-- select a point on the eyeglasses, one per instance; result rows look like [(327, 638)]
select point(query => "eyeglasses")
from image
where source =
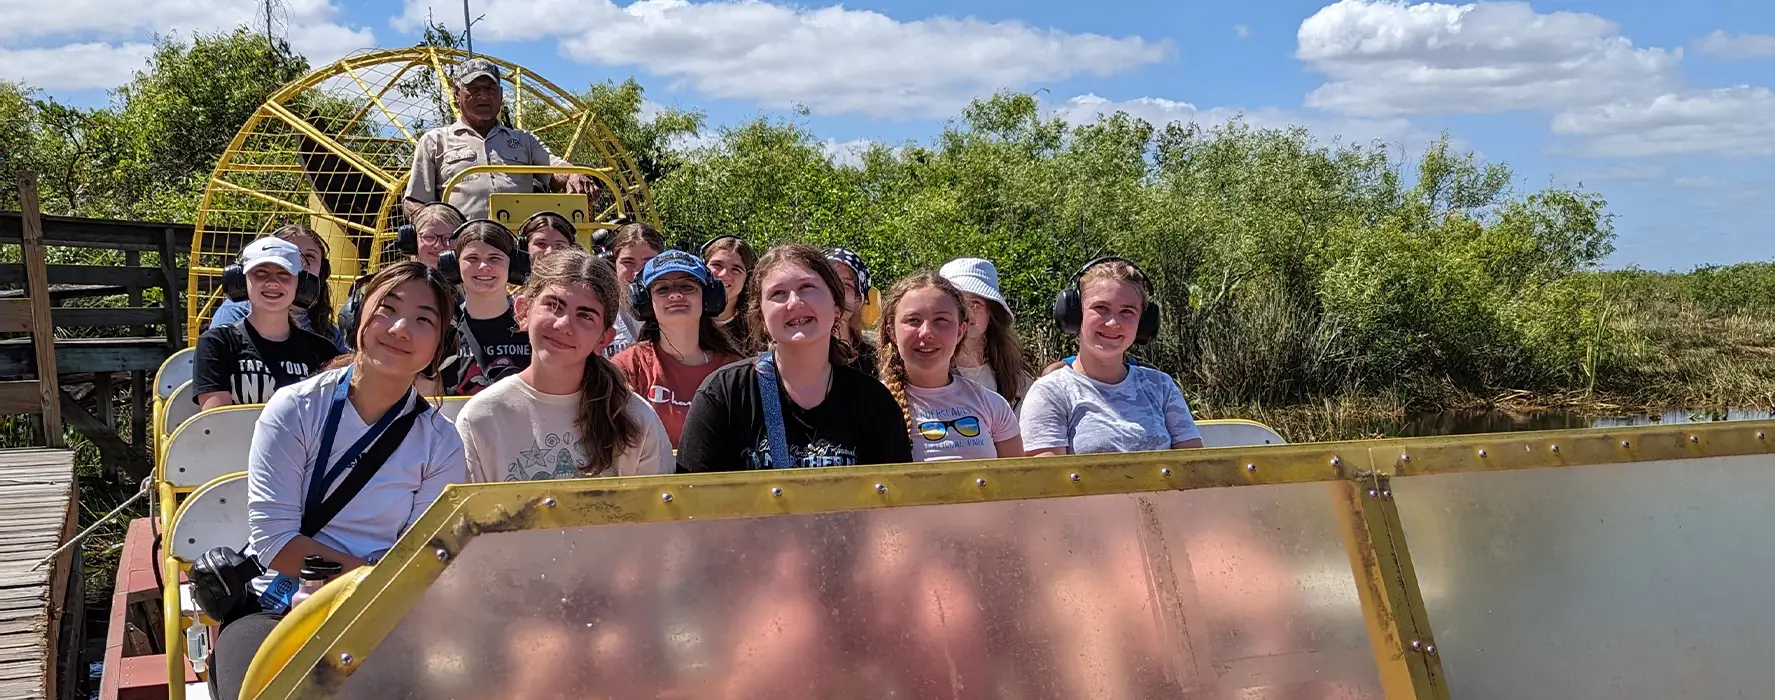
[(665, 289), (938, 429), (436, 240)]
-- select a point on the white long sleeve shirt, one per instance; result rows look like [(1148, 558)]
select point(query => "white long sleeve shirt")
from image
[(281, 463)]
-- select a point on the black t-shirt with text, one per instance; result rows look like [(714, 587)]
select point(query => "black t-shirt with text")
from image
[(858, 423), (236, 359), (503, 351)]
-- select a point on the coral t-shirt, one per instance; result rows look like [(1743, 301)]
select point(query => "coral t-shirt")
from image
[(667, 384)]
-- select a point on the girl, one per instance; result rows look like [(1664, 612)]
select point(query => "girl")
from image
[(318, 317), (819, 411), (568, 414), (490, 346), (305, 450), (990, 353), (731, 260), (854, 274), (680, 344), (545, 232), (1101, 402), (949, 417), (630, 249), (245, 361)]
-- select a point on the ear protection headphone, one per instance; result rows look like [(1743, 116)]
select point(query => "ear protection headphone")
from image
[(706, 244), (714, 293), (517, 266), (563, 225), (406, 236), (308, 286), (1069, 308)]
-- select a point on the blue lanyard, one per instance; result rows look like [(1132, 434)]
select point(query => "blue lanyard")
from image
[(324, 476), (773, 411)]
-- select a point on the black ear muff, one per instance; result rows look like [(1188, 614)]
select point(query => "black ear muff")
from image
[(714, 296), (517, 268), (640, 301), (1069, 309), (234, 285), (406, 240), (449, 268)]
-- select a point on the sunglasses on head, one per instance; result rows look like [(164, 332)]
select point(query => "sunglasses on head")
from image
[(935, 430)]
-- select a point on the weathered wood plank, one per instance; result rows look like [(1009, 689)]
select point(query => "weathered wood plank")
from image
[(15, 315), (13, 274), (87, 355), (42, 330), (66, 316), (108, 234), (104, 435), (37, 504), (19, 396)]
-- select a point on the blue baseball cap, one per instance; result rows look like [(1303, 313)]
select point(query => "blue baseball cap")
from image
[(673, 261)]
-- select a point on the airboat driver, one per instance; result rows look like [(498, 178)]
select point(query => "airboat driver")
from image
[(477, 138)]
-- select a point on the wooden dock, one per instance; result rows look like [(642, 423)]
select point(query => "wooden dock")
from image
[(37, 514)]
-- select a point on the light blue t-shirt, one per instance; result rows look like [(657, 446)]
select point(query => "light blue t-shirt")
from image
[(1144, 412), (235, 311)]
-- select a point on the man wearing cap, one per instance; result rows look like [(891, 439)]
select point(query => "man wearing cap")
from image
[(245, 361), (477, 138)]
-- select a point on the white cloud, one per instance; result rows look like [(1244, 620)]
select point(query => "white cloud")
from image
[(1633, 172), (90, 66), (1241, 31), (1738, 121), (1385, 57), (83, 44), (847, 153), (1159, 111), (1740, 46), (832, 59)]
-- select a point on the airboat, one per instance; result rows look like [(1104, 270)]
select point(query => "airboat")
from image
[(1620, 563)]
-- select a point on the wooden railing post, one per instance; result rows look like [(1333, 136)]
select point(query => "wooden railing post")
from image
[(42, 327), (175, 336)]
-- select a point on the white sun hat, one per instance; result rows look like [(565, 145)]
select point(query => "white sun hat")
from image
[(975, 276)]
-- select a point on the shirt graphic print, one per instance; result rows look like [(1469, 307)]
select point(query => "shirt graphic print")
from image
[(963, 420), (553, 457)]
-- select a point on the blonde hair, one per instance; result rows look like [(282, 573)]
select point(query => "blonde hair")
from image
[(605, 426), (890, 366), (437, 212), (1117, 271)]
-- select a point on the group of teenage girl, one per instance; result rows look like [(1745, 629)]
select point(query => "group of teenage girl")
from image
[(639, 360)]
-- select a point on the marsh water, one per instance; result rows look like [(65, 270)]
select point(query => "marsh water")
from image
[(1473, 422)]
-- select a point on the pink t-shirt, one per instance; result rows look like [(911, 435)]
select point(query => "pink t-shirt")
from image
[(961, 421)]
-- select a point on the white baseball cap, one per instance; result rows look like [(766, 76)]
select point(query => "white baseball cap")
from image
[(975, 276), (271, 251)]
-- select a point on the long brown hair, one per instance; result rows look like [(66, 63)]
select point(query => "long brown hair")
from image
[(738, 327), (809, 257), (320, 313), (605, 426), (486, 231), (889, 364), (1004, 351), (395, 275)]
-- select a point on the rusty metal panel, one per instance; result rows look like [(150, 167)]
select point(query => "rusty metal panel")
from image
[(1216, 593), (1629, 581)]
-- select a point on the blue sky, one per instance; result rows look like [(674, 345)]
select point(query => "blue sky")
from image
[(1666, 109)]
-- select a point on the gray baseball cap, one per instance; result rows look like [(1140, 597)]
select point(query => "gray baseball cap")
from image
[(476, 68)]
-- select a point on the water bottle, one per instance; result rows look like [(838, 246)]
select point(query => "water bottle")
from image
[(312, 580)]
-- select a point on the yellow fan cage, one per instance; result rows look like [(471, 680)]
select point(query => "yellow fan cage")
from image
[(333, 151)]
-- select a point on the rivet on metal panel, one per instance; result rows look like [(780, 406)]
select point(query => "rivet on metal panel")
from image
[(1482, 453), (548, 502), (1555, 448), (1694, 438), (1417, 645), (776, 491), (1760, 436), (1166, 472), (1386, 494), (1373, 493), (665, 498), (1075, 476), (345, 659), (1405, 458), (1251, 467), (1625, 443), (1431, 650), (980, 483), (881, 488), (1336, 462), (443, 554)]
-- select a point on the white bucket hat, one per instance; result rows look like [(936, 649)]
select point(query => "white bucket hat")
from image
[(975, 276)]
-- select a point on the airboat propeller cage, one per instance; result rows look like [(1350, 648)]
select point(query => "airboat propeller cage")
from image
[(334, 150)]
